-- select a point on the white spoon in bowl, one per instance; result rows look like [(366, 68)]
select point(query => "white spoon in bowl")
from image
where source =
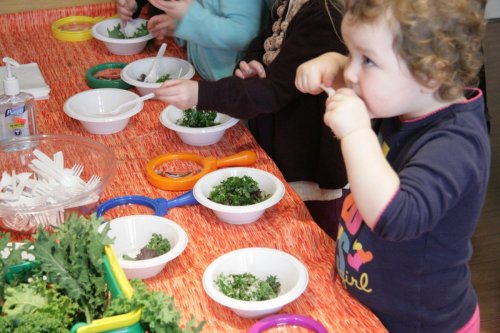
[(152, 76), (121, 106)]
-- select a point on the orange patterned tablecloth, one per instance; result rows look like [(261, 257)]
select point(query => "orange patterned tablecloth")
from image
[(26, 37)]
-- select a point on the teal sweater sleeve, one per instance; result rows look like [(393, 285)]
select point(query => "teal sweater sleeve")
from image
[(217, 34), (221, 24)]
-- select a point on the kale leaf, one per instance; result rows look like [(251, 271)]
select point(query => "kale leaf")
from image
[(38, 296), (72, 258), (32, 323), (158, 310), (117, 32)]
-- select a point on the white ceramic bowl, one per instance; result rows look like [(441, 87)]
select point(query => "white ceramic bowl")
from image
[(196, 136), (268, 183), (127, 46), (261, 262), (167, 65), (131, 233), (90, 108)]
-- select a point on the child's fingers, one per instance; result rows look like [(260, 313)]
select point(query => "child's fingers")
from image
[(239, 73), (126, 8), (257, 69), (170, 83), (245, 68)]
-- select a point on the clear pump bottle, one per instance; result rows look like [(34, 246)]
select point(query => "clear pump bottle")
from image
[(17, 109)]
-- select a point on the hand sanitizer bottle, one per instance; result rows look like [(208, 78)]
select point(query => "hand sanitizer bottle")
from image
[(17, 109)]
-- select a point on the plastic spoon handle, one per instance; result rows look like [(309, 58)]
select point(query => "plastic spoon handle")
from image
[(134, 101), (243, 158), (329, 90), (44, 158), (124, 28), (152, 77)]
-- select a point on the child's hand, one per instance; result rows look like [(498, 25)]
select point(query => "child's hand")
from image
[(182, 94), (126, 9), (346, 113), (251, 69), (161, 26), (323, 69), (176, 9)]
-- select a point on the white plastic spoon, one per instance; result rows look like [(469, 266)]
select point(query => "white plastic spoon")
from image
[(152, 76), (124, 28), (329, 90), (134, 101), (44, 158)]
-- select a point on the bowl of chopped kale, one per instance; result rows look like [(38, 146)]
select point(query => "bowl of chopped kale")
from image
[(255, 282), (128, 40), (144, 244), (197, 127), (239, 195), (169, 68)]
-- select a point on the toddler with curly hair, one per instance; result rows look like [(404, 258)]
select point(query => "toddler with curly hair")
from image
[(418, 185)]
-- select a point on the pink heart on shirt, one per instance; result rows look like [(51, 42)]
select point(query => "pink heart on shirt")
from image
[(359, 258)]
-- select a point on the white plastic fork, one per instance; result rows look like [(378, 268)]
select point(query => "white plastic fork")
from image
[(93, 182), (77, 170), (5, 181)]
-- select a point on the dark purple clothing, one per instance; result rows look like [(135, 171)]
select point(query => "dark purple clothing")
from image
[(151, 10), (285, 122), (412, 269)]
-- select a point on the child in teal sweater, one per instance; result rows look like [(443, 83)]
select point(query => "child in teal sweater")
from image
[(215, 32)]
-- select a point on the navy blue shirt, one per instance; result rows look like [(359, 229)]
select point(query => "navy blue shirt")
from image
[(412, 269)]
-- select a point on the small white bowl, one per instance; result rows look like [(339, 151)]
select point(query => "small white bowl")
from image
[(261, 262), (268, 183), (167, 65), (90, 108), (127, 46), (203, 136), (131, 233)]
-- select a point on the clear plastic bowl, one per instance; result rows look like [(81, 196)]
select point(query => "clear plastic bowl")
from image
[(16, 155)]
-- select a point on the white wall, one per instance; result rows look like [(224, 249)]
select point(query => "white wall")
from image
[(492, 9)]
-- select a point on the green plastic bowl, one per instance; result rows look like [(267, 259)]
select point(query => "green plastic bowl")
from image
[(97, 81)]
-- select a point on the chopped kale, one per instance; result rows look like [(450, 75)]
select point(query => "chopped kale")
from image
[(247, 287), (198, 118), (238, 191)]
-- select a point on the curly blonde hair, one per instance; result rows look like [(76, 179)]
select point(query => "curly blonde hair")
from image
[(440, 40)]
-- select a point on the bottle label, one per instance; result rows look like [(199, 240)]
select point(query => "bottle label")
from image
[(16, 121), (15, 111)]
